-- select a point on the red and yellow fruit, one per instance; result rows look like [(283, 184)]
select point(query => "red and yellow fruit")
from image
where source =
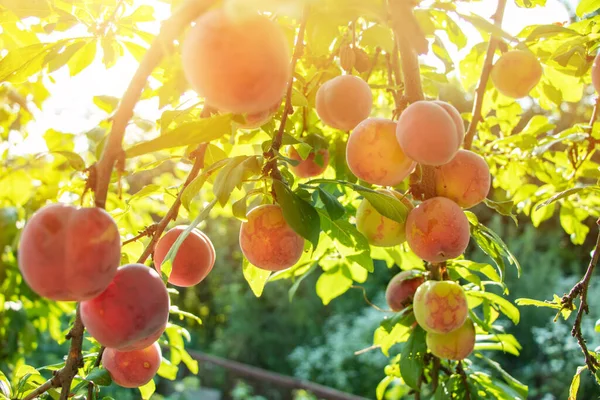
[(401, 289), (132, 369), (380, 230), (133, 307), (440, 306), (456, 345), (267, 241), (344, 101), (194, 260), (437, 230), (238, 65), (516, 72), (69, 254), (309, 167), (464, 180), (374, 155)]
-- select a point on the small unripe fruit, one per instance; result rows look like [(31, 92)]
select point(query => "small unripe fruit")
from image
[(515, 73), (596, 74), (267, 240), (347, 58), (401, 289), (437, 230), (362, 62), (344, 101), (464, 180), (456, 345), (380, 230), (132, 369), (440, 306), (309, 167)]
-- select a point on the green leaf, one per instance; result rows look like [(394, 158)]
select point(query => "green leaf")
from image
[(83, 58), (300, 215), (411, 360), (587, 7), (565, 194), (198, 182), (530, 3), (148, 390), (22, 63), (536, 303), (184, 314), (99, 376), (503, 208), (334, 208), (5, 389), (191, 133), (145, 192), (106, 103), (574, 388), (257, 278), (332, 283), (233, 174), (505, 306), (74, 159), (519, 387), (486, 26)]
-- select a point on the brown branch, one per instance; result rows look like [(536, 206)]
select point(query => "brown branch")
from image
[(435, 372), (373, 63), (364, 292), (149, 231), (418, 390), (170, 30), (485, 75), (463, 376)]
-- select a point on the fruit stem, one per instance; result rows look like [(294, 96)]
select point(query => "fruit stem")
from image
[(485, 75)]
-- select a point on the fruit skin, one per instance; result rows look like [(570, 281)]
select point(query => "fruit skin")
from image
[(309, 168), (379, 230), (455, 115), (68, 253), (267, 240), (147, 341), (440, 306), (456, 345), (428, 133), (239, 65), (132, 369), (194, 260), (464, 180), (437, 230), (134, 306), (596, 73), (373, 154), (401, 289), (515, 73), (258, 119), (344, 101)]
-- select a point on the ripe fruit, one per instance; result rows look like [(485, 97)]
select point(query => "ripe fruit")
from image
[(344, 101), (309, 168), (380, 230), (373, 153), (596, 74), (194, 260), (455, 115), (401, 289), (429, 133), (131, 369), (258, 119), (437, 230), (515, 73), (267, 240), (440, 306), (147, 341), (69, 254), (456, 345), (239, 65), (464, 180), (134, 306)]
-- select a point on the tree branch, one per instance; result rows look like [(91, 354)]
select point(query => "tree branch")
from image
[(171, 29), (463, 376), (485, 75)]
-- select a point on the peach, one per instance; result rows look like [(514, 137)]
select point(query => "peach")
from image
[(401, 289), (456, 345), (68, 253), (258, 119), (596, 74), (344, 101), (267, 241), (428, 133), (133, 307), (147, 341), (309, 167), (515, 73), (440, 306), (379, 230), (238, 65), (464, 180), (456, 117), (132, 369), (373, 154), (437, 230), (194, 260)]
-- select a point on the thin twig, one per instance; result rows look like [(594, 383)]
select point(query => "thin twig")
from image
[(149, 231), (463, 376), (364, 292), (435, 372), (418, 390), (485, 75)]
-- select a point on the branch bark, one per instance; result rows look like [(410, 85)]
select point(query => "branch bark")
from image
[(463, 376), (485, 75)]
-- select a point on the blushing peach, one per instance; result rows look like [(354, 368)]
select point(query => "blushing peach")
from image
[(194, 260), (440, 306), (344, 101), (267, 240), (374, 155), (464, 180), (437, 230), (69, 254), (379, 230), (309, 167), (456, 345), (258, 119), (134, 306), (238, 65), (515, 73), (132, 369), (147, 341), (401, 289), (456, 117)]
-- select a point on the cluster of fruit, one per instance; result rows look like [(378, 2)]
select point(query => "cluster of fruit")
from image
[(71, 254)]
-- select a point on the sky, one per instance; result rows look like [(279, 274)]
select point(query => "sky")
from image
[(70, 109)]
